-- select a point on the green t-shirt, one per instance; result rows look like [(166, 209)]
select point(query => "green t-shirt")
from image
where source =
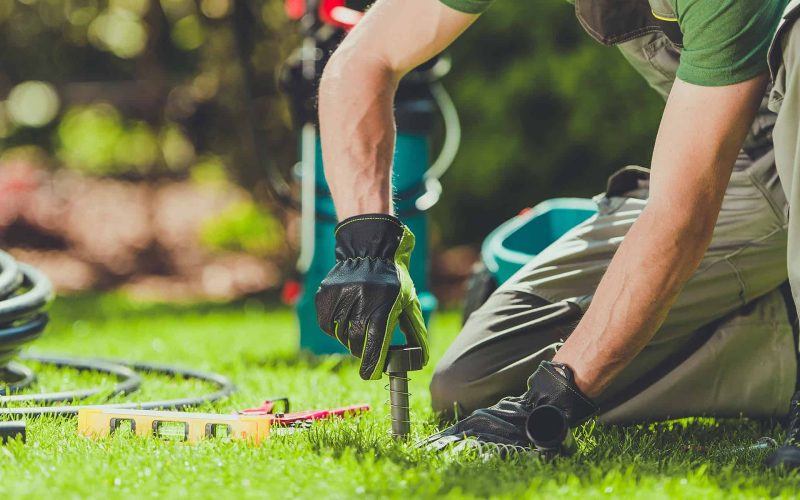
[(724, 41)]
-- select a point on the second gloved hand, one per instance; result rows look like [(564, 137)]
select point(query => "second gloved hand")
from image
[(505, 423), (369, 291)]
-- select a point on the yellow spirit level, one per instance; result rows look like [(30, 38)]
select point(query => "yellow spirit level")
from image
[(173, 425)]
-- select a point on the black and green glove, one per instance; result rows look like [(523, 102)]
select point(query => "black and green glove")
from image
[(369, 291), (507, 424)]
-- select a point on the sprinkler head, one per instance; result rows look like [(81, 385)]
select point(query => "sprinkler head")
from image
[(400, 361), (403, 359)]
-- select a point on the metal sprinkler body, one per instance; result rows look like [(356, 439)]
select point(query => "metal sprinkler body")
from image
[(400, 361)]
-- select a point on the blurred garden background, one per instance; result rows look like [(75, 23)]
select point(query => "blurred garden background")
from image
[(136, 137)]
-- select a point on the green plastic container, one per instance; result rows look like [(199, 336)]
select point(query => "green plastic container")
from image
[(517, 241)]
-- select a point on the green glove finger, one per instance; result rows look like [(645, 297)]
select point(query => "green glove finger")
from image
[(412, 324)]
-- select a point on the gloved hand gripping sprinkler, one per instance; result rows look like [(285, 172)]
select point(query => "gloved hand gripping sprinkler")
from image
[(400, 361)]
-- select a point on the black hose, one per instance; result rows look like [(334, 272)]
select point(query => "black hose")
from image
[(224, 387), (10, 277), (127, 381), (18, 377), (12, 338), (34, 300), (25, 294)]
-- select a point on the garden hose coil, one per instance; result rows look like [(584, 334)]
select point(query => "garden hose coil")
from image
[(25, 294)]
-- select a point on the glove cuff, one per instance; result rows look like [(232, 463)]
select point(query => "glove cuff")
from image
[(374, 236), (554, 384)]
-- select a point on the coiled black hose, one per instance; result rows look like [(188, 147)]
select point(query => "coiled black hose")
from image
[(25, 294)]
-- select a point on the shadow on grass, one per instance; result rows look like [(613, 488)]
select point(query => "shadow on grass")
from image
[(711, 453), (718, 450)]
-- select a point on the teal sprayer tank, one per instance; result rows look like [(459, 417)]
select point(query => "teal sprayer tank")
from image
[(514, 243), (414, 110), (517, 241)]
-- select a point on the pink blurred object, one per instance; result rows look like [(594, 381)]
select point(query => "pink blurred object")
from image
[(295, 9), (97, 233), (18, 180)]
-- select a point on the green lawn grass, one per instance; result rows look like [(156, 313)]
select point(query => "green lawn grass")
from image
[(257, 348)]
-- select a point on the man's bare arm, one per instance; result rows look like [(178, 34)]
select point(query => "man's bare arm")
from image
[(357, 93), (699, 139)]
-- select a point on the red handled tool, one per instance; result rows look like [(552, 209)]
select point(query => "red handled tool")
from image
[(300, 418), (332, 12)]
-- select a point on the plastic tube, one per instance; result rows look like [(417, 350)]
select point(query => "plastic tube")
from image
[(548, 430)]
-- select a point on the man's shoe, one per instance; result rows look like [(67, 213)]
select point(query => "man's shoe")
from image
[(788, 455)]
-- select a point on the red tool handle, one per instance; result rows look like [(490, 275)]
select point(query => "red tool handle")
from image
[(332, 12), (336, 13), (267, 408), (312, 415)]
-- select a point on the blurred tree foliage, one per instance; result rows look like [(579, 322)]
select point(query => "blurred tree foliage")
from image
[(149, 88), (145, 88), (243, 227), (547, 112)]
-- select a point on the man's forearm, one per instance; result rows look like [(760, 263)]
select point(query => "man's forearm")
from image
[(700, 136), (357, 151), (655, 260), (357, 93)]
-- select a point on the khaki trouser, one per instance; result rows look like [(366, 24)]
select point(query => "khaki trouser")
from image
[(727, 347)]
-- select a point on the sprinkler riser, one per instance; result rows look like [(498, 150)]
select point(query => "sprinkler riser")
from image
[(399, 361)]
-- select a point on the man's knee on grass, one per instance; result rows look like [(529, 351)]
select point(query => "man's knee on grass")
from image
[(451, 394), (497, 350)]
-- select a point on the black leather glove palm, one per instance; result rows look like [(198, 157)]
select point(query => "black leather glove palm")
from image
[(505, 423), (369, 291)]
